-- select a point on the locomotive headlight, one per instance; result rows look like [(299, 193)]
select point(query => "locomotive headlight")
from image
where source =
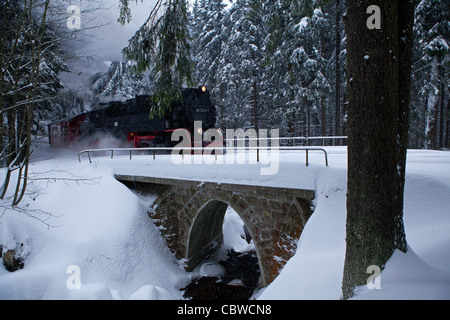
[(200, 130), (203, 89)]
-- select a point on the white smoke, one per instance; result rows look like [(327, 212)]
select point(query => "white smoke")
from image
[(102, 39), (100, 140)]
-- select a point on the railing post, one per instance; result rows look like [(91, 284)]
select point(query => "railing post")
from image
[(307, 163)]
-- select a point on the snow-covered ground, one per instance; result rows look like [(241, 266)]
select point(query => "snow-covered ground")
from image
[(78, 223)]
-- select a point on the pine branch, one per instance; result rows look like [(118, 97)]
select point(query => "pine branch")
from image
[(162, 45)]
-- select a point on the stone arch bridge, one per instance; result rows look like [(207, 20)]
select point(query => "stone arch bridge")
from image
[(190, 216)]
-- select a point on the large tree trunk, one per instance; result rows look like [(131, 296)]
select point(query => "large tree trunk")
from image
[(405, 31), (377, 104)]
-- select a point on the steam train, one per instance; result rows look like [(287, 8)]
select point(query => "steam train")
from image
[(130, 124)]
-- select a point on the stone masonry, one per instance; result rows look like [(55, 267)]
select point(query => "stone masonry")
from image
[(190, 215)]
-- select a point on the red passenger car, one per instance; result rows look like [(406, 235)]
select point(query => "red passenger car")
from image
[(65, 131)]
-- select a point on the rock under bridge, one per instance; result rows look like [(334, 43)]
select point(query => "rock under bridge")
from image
[(190, 215)]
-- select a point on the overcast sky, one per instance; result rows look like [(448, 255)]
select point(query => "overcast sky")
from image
[(99, 46)]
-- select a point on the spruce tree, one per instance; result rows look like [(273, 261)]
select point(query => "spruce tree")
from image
[(163, 45), (431, 68)]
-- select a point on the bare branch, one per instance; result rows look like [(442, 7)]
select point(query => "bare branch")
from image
[(39, 215)]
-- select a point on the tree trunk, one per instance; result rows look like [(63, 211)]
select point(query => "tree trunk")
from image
[(323, 107), (432, 109), (11, 117), (324, 117), (378, 103), (441, 106), (337, 118), (405, 13), (447, 134), (308, 122), (255, 103)]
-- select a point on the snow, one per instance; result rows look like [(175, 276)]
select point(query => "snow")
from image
[(76, 216), (233, 232), (302, 24), (100, 226)]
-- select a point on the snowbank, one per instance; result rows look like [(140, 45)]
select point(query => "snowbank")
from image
[(94, 223), (315, 272)]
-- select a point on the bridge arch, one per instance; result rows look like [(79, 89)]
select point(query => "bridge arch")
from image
[(206, 233), (189, 215)]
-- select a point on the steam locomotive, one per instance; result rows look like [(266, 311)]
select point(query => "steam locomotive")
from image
[(130, 124)]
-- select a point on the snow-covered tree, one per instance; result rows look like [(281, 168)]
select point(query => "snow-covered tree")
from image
[(432, 62), (229, 53), (296, 66), (29, 67), (120, 83), (263, 62), (208, 20), (162, 45), (248, 41), (208, 35)]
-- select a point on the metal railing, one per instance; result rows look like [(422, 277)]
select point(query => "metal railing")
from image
[(88, 152), (183, 150), (308, 140)]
